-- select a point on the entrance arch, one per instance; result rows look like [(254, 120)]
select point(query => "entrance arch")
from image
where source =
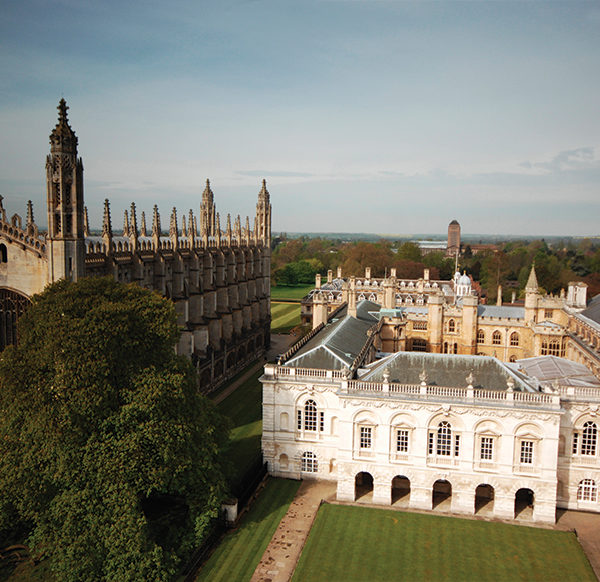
[(400, 490), (484, 499), (524, 503), (12, 306), (363, 486), (441, 494)]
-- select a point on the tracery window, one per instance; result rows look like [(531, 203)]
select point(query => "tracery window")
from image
[(497, 338), (587, 490), (309, 462), (480, 336), (514, 339), (451, 326)]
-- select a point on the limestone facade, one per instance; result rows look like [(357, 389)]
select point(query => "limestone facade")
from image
[(219, 279), (469, 434)]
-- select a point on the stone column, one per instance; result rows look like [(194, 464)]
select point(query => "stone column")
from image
[(420, 498), (382, 492)]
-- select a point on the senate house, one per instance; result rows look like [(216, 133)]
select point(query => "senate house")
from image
[(414, 393)]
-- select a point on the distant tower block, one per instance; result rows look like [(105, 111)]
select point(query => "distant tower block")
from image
[(453, 238)]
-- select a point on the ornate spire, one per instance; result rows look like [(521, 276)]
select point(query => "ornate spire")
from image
[(263, 195), (106, 223), (173, 233), (133, 229), (143, 231), (29, 221), (156, 230), (532, 283), (86, 222), (218, 229), (207, 195), (63, 138), (125, 224), (183, 226), (191, 224)]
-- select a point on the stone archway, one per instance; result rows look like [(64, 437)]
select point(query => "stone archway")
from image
[(484, 499), (441, 495), (524, 503), (400, 490), (363, 487)]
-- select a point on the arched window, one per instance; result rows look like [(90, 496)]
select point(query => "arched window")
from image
[(309, 462), (544, 348), (497, 338), (310, 415), (589, 438), (514, 339), (309, 419), (3, 254), (451, 326), (444, 439), (480, 336), (554, 348), (587, 490)]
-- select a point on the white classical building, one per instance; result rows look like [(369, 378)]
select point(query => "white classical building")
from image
[(460, 433)]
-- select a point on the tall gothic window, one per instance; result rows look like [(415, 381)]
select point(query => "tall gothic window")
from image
[(480, 336), (451, 326), (589, 438), (514, 339), (497, 338), (12, 306)]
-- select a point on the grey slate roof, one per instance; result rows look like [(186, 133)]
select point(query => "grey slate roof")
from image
[(339, 343), (566, 372), (447, 370), (593, 309), (501, 311)]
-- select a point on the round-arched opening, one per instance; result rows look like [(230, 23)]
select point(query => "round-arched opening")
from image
[(363, 486), (400, 490), (484, 499), (441, 494), (524, 502)]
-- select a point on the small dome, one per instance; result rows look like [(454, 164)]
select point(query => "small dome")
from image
[(464, 279)]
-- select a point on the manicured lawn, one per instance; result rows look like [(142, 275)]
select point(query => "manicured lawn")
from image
[(240, 551), (244, 408), (284, 316), (359, 543), (295, 293)]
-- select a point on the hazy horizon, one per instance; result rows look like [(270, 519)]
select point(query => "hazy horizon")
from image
[(362, 116)]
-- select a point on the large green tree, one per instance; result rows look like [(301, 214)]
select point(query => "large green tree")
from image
[(109, 457)]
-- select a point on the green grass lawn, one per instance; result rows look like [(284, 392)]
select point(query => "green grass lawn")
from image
[(284, 316), (240, 551), (291, 293), (244, 408), (359, 543)]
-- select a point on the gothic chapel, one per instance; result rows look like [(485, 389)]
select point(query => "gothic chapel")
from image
[(218, 279)]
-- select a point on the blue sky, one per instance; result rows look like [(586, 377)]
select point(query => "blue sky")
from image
[(371, 116)]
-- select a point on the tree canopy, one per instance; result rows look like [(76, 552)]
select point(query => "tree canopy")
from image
[(109, 457)]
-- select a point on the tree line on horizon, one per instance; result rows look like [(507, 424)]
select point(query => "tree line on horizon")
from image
[(558, 262)]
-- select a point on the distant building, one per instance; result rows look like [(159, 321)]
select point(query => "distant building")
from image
[(453, 247)]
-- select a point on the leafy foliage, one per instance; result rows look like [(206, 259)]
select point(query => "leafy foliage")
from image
[(107, 452)]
